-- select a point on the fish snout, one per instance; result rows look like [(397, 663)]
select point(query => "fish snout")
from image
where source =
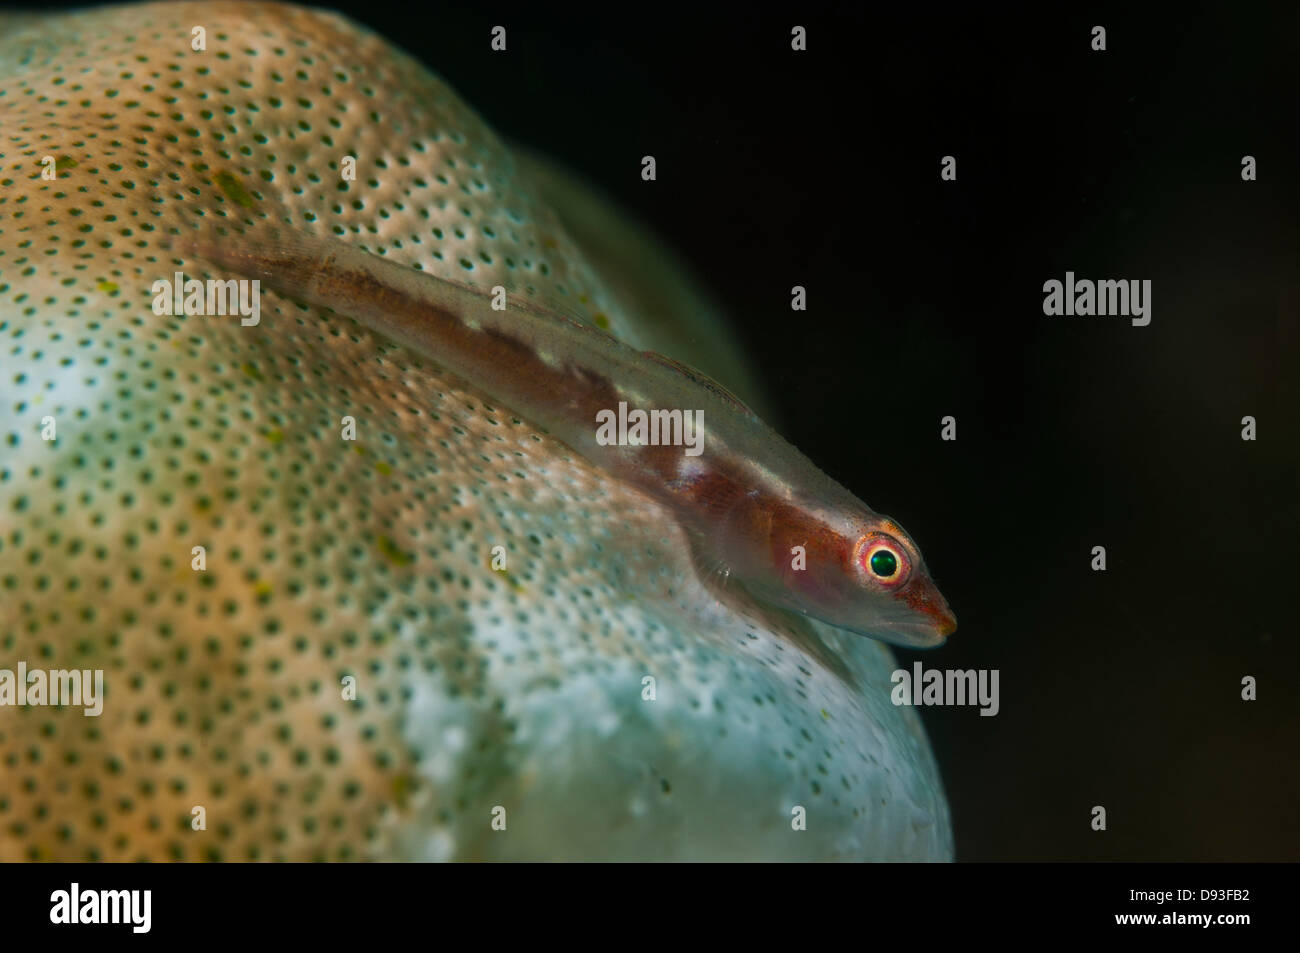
[(923, 598)]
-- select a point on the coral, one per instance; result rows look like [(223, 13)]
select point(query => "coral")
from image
[(325, 558)]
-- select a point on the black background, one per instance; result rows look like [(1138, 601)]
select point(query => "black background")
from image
[(778, 168)]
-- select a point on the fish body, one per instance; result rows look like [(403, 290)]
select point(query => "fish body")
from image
[(760, 512)]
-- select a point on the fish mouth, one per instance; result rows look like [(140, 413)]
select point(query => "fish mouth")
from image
[(916, 635), (931, 621), (944, 621)]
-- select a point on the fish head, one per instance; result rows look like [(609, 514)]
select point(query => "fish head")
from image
[(897, 600), (874, 582)]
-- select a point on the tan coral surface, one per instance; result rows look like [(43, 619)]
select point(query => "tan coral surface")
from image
[(326, 558)]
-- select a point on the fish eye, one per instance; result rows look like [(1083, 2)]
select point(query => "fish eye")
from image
[(883, 559), (884, 563)]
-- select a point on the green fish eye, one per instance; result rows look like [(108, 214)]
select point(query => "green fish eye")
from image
[(884, 563)]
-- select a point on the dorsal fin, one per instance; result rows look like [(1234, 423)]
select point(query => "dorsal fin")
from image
[(699, 377)]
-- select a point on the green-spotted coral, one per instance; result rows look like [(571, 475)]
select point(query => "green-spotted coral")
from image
[(326, 574)]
